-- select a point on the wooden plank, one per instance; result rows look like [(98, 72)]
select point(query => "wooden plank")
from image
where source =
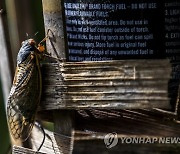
[(92, 125), (127, 122), (114, 84), (50, 145), (55, 142), (21, 150)]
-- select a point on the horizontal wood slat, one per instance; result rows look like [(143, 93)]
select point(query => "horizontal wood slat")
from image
[(21, 150), (124, 84)]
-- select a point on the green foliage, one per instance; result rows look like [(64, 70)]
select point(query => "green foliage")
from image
[(48, 125)]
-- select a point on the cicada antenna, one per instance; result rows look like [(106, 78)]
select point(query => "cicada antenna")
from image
[(41, 47), (36, 33), (27, 35), (48, 37), (44, 39)]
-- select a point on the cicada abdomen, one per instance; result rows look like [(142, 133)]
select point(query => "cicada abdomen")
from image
[(25, 93)]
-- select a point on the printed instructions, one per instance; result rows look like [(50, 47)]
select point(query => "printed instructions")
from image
[(106, 31)]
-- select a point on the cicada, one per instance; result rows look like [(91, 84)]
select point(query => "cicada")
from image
[(25, 93)]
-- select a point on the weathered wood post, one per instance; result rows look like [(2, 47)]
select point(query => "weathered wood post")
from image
[(53, 19)]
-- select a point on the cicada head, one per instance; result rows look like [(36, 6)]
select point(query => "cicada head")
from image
[(28, 46)]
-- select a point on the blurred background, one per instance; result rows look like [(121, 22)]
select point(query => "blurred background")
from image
[(17, 19)]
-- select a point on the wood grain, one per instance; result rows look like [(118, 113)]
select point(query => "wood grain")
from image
[(108, 84), (21, 150), (92, 125)]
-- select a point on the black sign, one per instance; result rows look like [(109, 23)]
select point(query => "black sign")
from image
[(120, 29)]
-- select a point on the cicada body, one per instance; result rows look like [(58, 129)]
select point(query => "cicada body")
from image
[(25, 93)]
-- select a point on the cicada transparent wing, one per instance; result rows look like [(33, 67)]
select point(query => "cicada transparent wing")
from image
[(24, 97)]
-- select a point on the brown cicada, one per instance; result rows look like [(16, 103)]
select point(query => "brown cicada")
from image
[(26, 90)]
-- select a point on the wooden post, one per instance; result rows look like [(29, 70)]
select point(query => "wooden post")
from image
[(64, 127), (53, 19)]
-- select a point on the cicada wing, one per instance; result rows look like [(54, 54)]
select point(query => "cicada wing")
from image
[(23, 100)]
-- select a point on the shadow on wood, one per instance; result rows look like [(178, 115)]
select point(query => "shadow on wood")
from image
[(92, 125)]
